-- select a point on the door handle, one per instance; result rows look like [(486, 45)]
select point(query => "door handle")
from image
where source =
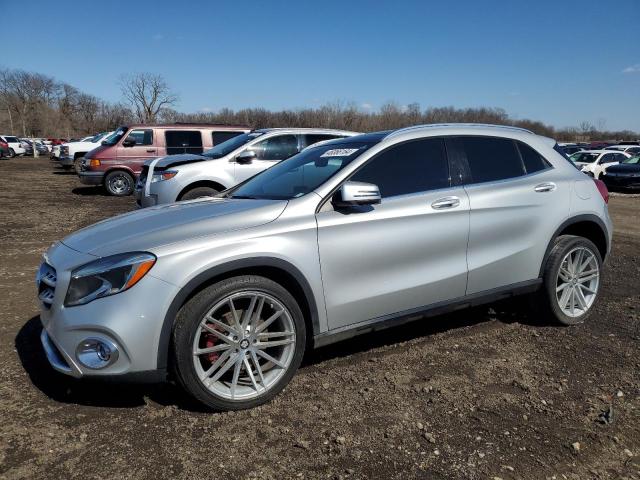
[(445, 202), (150, 150), (545, 187)]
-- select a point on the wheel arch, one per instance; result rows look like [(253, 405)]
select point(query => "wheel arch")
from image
[(120, 168), (588, 226), (275, 269), (201, 183)]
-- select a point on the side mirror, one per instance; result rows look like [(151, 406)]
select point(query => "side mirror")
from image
[(128, 142), (352, 194), (246, 157)]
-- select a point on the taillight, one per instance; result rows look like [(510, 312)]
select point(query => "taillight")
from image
[(602, 188)]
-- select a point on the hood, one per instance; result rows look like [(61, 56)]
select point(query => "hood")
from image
[(96, 152), (624, 168), (156, 226), (175, 160)]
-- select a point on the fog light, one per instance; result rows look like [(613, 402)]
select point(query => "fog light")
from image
[(96, 353)]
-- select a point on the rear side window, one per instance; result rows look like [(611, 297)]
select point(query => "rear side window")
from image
[(221, 137), (141, 137), (310, 139), (279, 147), (183, 141), (533, 161), (491, 159), (411, 167)]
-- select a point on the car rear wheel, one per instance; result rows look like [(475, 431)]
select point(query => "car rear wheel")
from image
[(12, 153), (199, 192), (237, 343), (119, 183), (572, 278)]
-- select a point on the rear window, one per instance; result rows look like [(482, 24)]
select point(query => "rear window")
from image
[(491, 159), (183, 141), (221, 137)]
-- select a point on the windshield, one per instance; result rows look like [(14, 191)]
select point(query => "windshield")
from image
[(632, 161), (225, 148), (584, 157), (115, 136), (302, 173), (97, 137)]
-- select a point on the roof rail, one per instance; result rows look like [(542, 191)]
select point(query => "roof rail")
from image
[(437, 125)]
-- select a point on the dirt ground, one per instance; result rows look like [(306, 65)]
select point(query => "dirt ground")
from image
[(486, 393)]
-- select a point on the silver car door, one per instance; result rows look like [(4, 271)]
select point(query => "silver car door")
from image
[(407, 252)]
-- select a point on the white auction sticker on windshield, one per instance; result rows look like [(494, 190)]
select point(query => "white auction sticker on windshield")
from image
[(339, 152)]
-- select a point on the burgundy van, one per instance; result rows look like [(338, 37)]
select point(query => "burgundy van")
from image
[(118, 161)]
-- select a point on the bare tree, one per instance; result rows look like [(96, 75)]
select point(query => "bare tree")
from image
[(148, 95)]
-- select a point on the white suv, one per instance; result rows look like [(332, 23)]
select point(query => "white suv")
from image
[(15, 146), (185, 177), (70, 152), (595, 162)]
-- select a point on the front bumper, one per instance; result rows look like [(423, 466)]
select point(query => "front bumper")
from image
[(66, 161), (143, 200), (130, 321), (621, 181), (91, 178)]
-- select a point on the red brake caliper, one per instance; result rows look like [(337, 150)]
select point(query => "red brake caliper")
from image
[(210, 340)]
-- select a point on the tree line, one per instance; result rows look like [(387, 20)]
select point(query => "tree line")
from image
[(36, 105)]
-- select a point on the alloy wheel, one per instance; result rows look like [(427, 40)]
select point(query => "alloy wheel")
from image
[(119, 184), (577, 282), (243, 345)]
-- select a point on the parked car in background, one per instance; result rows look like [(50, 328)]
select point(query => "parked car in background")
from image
[(4, 149), (15, 146), (569, 148), (188, 176), (630, 149), (57, 149), (347, 237), (118, 161), (71, 153), (29, 144), (625, 175), (594, 162)]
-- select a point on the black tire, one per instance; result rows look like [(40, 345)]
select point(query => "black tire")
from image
[(187, 324), (545, 300), (77, 164), (199, 192), (12, 153), (119, 183)]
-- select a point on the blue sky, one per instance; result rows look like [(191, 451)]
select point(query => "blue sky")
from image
[(560, 62)]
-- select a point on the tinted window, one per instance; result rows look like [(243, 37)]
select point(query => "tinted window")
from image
[(310, 139), (491, 159), (141, 137), (183, 141), (533, 161), (221, 137), (410, 167), (584, 157), (609, 158), (276, 148)]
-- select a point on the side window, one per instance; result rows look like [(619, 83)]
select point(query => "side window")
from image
[(312, 138), (411, 167), (183, 141), (491, 159), (220, 137), (608, 158), (141, 137), (279, 147), (533, 161)]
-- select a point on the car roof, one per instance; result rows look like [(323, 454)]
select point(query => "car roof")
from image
[(307, 130), (189, 125)]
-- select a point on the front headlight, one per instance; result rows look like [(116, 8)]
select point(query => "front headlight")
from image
[(107, 276), (164, 175)]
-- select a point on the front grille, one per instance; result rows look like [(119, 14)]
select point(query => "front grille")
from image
[(46, 281), (142, 179)]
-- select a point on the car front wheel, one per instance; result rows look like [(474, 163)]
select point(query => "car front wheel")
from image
[(119, 183), (238, 343), (572, 278)]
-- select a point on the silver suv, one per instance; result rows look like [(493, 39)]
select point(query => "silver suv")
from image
[(185, 177), (346, 237)]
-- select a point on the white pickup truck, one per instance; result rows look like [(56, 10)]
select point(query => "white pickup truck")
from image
[(72, 151)]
